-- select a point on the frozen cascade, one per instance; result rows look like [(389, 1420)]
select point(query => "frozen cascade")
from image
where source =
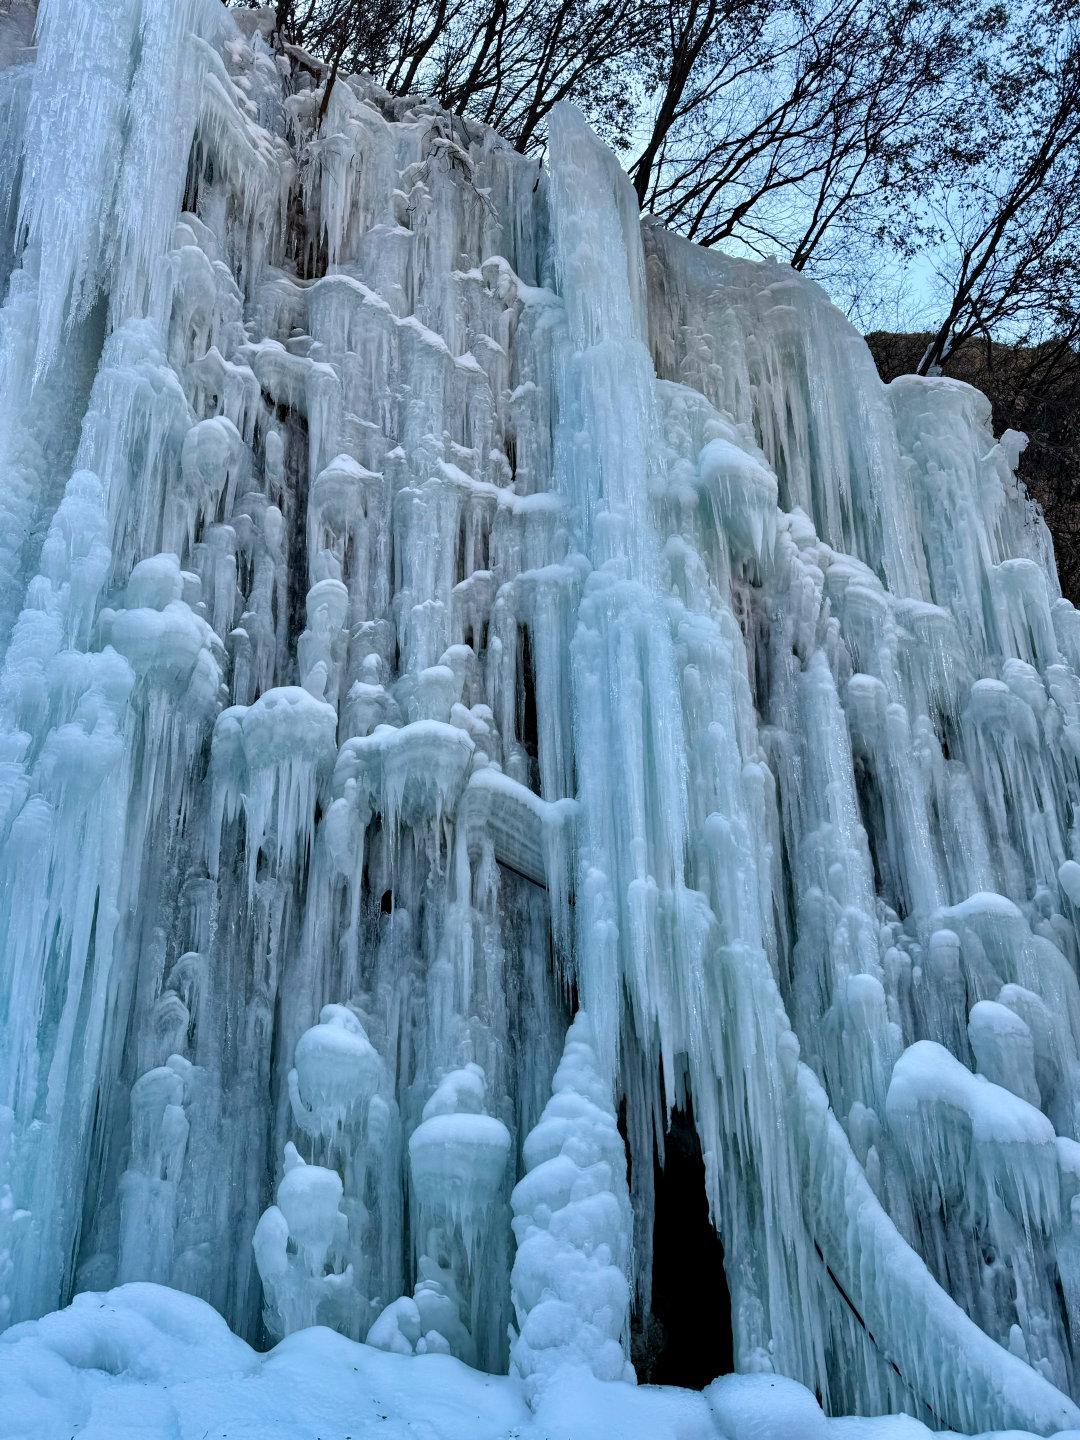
[(477, 675)]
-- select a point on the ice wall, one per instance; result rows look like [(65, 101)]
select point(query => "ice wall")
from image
[(432, 602)]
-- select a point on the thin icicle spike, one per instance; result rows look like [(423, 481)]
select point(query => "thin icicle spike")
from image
[(479, 675)]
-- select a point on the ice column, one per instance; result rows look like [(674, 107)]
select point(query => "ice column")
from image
[(574, 1229)]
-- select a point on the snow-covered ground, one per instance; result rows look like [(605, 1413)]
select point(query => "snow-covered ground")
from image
[(145, 1363)]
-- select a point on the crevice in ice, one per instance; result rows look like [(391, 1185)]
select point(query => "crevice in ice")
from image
[(687, 1338)]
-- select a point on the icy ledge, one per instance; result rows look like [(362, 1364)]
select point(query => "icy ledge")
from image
[(149, 1362)]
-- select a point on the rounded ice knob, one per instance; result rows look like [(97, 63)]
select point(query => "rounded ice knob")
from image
[(336, 1073), (309, 1197), (458, 1154), (458, 1159)]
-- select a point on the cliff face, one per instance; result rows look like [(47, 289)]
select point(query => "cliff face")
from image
[(479, 675)]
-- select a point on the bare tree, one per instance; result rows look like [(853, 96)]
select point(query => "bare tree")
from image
[(523, 57), (809, 125), (503, 62), (1009, 264), (696, 40)]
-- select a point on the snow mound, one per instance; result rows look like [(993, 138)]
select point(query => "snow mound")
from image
[(143, 1362)]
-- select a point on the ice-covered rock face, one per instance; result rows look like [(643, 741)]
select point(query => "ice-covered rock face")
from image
[(428, 598)]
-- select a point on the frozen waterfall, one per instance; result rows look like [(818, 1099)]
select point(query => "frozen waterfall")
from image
[(478, 675)]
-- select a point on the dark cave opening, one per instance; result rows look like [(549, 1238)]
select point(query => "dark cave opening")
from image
[(688, 1339), (529, 733)]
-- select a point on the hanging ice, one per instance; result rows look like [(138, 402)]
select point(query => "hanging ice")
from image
[(432, 602)]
